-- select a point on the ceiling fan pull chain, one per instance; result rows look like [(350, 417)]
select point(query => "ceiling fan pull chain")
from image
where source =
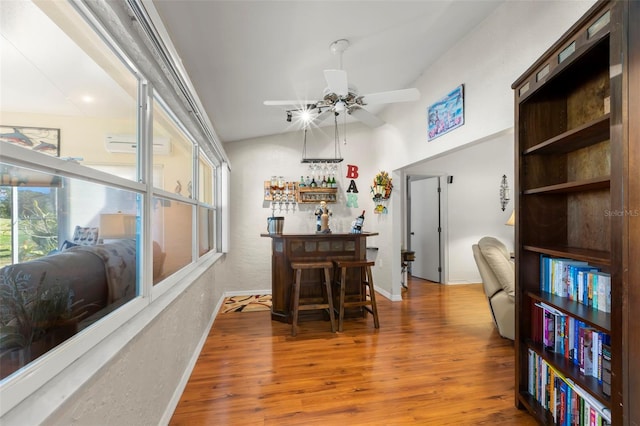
[(304, 144), (345, 129)]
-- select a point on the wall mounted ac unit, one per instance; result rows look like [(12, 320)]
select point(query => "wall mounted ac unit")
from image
[(128, 143)]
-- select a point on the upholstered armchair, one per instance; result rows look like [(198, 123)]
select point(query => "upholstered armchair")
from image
[(498, 279)]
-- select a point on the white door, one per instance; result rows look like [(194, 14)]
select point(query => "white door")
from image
[(424, 228)]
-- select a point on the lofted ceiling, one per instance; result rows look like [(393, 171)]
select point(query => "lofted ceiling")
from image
[(237, 54), (241, 53)]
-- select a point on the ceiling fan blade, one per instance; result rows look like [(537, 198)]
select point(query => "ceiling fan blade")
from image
[(322, 116), (403, 95), (366, 117), (290, 103), (337, 82)]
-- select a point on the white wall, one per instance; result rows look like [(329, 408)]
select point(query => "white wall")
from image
[(472, 205), (487, 62), (247, 267)]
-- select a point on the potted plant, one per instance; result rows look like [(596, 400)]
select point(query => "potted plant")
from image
[(34, 317), (382, 185)]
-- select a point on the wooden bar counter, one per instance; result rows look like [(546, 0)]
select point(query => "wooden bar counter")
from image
[(286, 248)]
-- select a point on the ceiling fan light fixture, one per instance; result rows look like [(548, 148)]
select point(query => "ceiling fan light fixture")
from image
[(305, 116), (339, 46), (340, 106)]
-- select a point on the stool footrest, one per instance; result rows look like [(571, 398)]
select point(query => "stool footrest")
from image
[(309, 304), (367, 301)]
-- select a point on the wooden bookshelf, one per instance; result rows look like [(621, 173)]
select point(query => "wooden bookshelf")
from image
[(578, 194)]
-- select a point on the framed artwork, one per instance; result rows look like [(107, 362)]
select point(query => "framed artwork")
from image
[(40, 139), (446, 114)]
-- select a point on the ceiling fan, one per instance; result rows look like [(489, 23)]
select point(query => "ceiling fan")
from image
[(339, 97)]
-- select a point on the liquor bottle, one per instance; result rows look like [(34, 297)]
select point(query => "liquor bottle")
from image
[(324, 182), (357, 224), (307, 181), (313, 182), (301, 184), (333, 182)]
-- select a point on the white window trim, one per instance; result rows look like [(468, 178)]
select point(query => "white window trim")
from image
[(42, 386)]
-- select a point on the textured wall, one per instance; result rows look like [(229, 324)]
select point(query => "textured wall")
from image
[(248, 265), (136, 387)]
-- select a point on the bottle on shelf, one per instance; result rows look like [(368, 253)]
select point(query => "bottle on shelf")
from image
[(301, 184), (324, 182), (307, 181), (313, 183)]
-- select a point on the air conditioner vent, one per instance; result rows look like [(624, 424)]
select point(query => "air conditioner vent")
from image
[(128, 143)]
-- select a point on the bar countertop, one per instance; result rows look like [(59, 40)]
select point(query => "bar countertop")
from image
[(320, 234)]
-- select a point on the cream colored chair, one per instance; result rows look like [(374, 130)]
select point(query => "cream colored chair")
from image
[(498, 278)]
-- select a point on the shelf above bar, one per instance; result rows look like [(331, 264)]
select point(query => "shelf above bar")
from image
[(321, 160)]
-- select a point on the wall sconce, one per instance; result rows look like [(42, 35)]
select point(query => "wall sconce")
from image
[(504, 192)]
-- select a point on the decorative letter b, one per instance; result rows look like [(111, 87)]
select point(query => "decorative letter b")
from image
[(352, 171)]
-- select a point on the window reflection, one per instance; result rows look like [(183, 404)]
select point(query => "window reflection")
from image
[(173, 153), (172, 232), (206, 226), (77, 259)]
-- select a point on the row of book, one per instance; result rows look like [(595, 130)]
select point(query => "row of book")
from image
[(577, 281), (576, 341), (567, 402)]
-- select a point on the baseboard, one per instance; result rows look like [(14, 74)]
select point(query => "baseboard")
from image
[(245, 293), (175, 399)]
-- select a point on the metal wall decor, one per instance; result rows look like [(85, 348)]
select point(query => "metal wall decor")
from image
[(505, 196)]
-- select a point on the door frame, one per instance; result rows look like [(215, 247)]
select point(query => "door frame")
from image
[(443, 211)]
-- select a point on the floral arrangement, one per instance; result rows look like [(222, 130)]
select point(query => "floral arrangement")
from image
[(382, 186)]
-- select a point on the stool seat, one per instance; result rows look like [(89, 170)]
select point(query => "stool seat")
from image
[(366, 301), (311, 265), (298, 267), (353, 263)]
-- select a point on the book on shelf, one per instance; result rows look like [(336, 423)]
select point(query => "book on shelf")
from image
[(577, 281), (566, 401), (570, 337), (606, 370)]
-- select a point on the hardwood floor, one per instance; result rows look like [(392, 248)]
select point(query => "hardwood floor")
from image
[(436, 360)]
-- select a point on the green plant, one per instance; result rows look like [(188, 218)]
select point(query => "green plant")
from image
[(41, 225), (28, 311)]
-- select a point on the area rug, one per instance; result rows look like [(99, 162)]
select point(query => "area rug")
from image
[(247, 303)]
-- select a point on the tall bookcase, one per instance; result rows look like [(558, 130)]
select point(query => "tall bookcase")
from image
[(577, 118)]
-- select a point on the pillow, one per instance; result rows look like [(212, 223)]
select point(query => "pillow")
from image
[(67, 245), (85, 236)]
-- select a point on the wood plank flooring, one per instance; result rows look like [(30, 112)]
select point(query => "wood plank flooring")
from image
[(436, 360)]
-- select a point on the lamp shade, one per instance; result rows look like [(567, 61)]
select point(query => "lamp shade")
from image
[(117, 226), (512, 219)]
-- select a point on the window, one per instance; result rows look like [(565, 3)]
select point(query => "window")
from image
[(206, 208), (75, 218), (78, 260)]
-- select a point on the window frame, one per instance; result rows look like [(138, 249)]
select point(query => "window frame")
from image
[(109, 334)]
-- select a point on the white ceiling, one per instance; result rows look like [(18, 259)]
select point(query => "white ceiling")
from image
[(240, 53), (42, 70)]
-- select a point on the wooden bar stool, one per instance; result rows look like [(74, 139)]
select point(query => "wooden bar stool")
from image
[(298, 267), (366, 283)]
